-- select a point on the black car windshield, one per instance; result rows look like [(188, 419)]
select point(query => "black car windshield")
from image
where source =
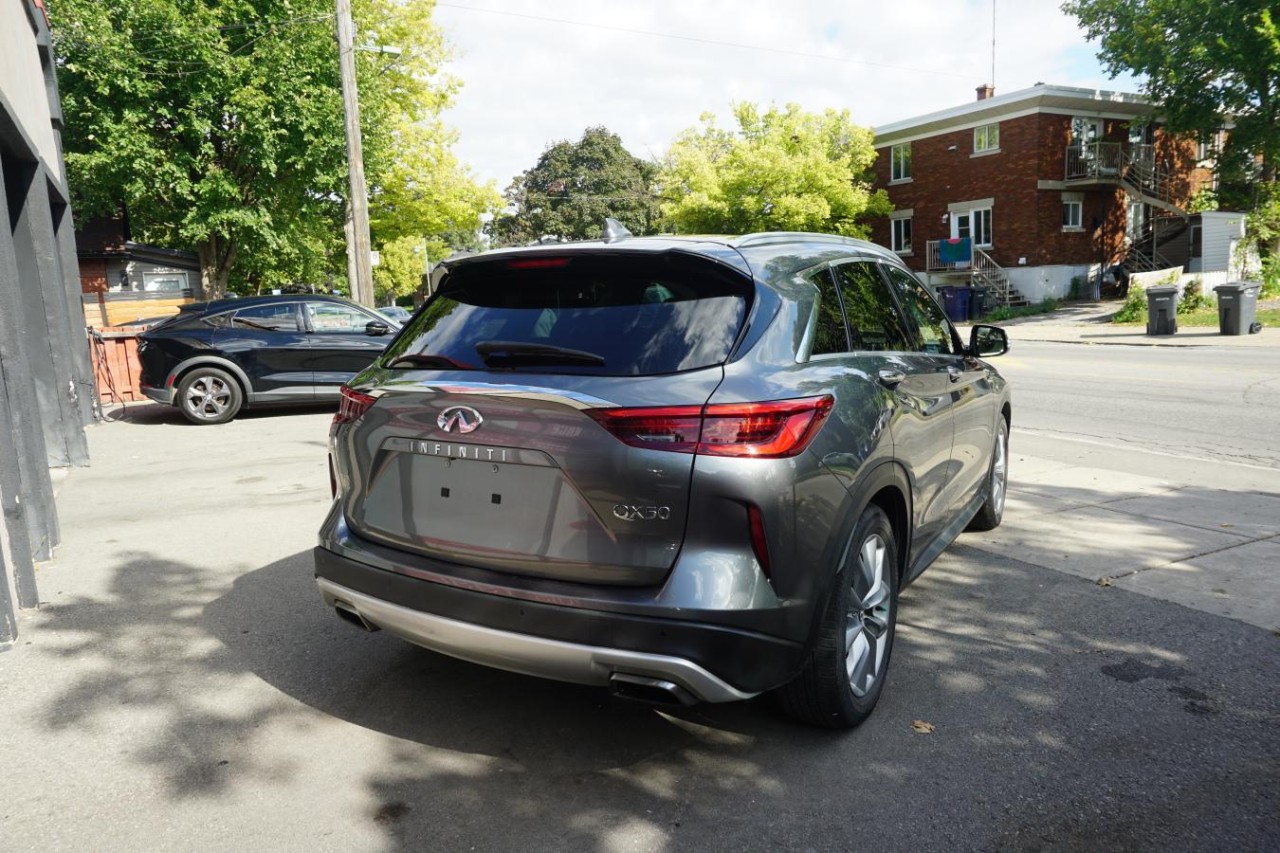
[(618, 315)]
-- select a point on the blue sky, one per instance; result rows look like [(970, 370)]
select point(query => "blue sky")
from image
[(535, 71)]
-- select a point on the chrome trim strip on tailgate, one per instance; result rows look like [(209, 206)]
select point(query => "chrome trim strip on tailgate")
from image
[(494, 389), (527, 654)]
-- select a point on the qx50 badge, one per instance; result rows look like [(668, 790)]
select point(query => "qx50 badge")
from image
[(463, 419), (642, 513)]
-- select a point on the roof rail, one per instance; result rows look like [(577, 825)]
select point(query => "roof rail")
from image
[(765, 237)]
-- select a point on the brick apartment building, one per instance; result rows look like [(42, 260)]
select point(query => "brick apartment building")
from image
[(1048, 184)]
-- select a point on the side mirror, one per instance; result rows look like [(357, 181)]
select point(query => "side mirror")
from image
[(987, 341), (376, 328)]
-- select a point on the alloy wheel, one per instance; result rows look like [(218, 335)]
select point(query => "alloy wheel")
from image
[(208, 397), (1000, 471), (866, 636)]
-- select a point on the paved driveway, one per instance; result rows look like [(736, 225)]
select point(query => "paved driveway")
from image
[(183, 689)]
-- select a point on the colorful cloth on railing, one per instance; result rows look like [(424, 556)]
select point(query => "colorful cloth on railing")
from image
[(957, 250)]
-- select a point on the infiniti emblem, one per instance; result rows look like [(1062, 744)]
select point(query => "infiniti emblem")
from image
[(463, 419)]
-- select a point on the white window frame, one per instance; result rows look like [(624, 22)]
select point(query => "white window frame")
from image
[(965, 218), (895, 232), (900, 163), (1086, 129), (986, 138), (1073, 201)]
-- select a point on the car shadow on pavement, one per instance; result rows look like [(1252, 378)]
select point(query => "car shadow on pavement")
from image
[(158, 413), (1023, 705)]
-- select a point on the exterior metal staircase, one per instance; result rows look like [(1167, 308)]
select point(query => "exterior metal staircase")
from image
[(981, 271)]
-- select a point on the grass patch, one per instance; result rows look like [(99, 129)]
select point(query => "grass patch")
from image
[(1209, 317), (997, 315)]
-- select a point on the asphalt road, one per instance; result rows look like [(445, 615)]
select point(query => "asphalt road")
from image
[(184, 688), (1204, 403)]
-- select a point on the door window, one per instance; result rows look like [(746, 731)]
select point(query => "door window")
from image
[(829, 335), (874, 322), (934, 329), (335, 317), (277, 317)]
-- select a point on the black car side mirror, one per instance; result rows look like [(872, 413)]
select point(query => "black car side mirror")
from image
[(987, 341), (376, 328)]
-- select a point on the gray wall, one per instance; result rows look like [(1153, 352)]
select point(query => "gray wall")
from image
[(46, 389)]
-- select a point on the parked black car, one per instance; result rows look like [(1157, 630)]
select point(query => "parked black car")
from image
[(215, 358)]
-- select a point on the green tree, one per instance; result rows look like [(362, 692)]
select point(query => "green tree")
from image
[(782, 169), (219, 125), (573, 187), (1207, 65), (401, 263)]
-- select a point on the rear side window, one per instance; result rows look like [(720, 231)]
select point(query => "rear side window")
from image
[(933, 327), (874, 323), (613, 315), (828, 334), (280, 317)]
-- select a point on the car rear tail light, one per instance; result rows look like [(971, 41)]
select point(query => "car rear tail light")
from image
[(771, 430), (352, 405), (760, 545), (675, 428)]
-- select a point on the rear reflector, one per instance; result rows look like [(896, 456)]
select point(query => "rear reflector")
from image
[(760, 545), (770, 430), (352, 405)]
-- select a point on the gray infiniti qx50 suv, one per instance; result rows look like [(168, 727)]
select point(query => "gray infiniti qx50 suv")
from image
[(685, 468)]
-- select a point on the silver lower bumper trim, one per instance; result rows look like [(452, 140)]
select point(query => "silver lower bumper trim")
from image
[(526, 654)]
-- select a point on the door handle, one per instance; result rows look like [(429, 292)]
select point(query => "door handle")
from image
[(954, 374), (891, 378)]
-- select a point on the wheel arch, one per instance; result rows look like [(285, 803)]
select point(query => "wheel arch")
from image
[(178, 373)]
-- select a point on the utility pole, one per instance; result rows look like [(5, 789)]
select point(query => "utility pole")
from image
[(359, 261)]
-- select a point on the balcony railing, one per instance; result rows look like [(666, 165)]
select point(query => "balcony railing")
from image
[(1095, 160)]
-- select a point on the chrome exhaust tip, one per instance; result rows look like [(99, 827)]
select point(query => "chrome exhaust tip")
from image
[(652, 691), (349, 614)]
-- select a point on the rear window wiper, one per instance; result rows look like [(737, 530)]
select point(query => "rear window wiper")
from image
[(427, 360), (512, 353)]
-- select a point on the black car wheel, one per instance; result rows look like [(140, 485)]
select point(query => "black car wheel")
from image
[(844, 676), (208, 395)]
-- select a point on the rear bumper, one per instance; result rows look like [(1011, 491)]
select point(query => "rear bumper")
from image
[(712, 662), (160, 395)]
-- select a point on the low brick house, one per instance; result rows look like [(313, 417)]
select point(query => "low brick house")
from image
[(1047, 184)]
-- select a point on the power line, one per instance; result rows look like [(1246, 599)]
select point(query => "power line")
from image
[(700, 40)]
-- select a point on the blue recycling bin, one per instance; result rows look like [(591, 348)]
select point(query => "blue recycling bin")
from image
[(955, 302)]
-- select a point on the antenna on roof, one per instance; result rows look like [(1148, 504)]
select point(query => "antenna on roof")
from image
[(615, 230), (993, 44)]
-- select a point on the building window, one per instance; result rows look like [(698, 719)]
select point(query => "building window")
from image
[(1072, 215), (986, 138), (981, 224), (900, 163), (1085, 130), (900, 240)]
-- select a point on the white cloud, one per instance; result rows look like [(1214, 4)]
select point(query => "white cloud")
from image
[(529, 81)]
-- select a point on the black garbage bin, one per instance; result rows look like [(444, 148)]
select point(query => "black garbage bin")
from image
[(1162, 310), (977, 303), (1237, 307)]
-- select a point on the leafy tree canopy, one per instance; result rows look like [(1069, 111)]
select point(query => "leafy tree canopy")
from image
[(786, 170), (1203, 63), (219, 125), (573, 187)]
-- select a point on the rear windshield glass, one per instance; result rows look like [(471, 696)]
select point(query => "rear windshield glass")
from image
[(615, 315)]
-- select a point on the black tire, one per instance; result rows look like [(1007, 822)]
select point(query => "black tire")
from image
[(208, 396), (826, 693), (992, 511)]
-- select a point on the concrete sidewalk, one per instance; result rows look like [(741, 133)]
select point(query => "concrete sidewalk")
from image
[(1090, 323)]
